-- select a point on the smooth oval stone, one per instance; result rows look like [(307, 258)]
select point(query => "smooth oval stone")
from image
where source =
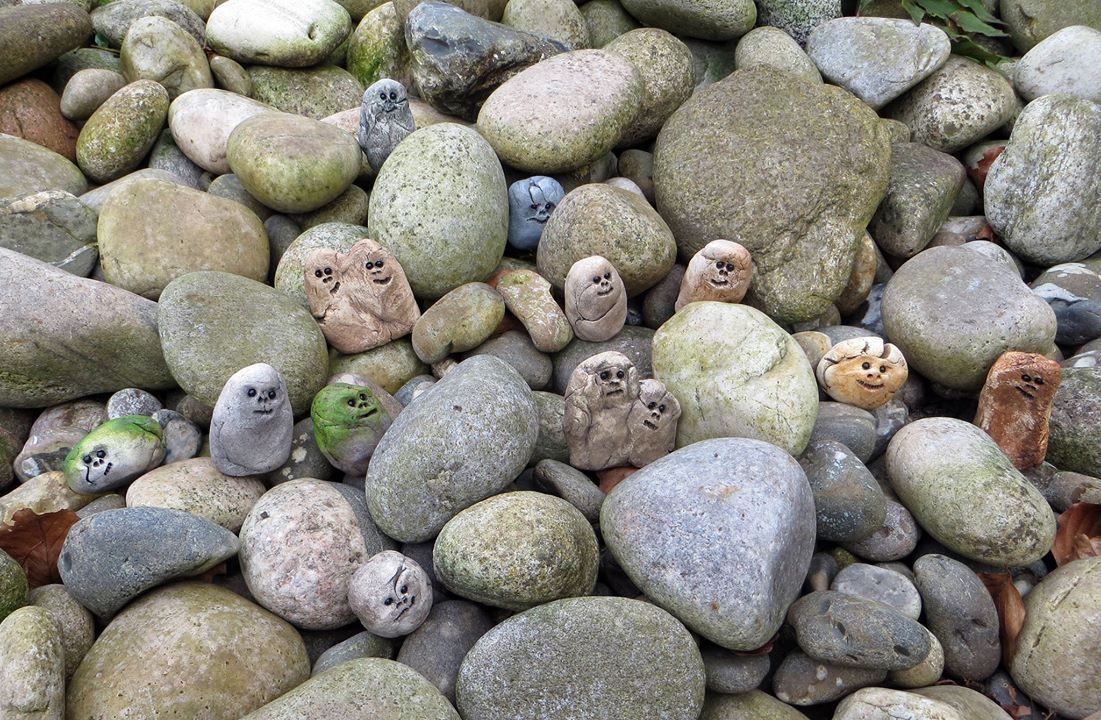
[(558, 20), (114, 19), (1056, 652), (199, 649), (461, 320), (114, 336), (953, 313), (856, 632), (961, 613), (787, 136), (390, 366), (562, 113), (377, 48), (121, 132), (883, 704), (27, 167), (880, 584), (606, 20), (349, 420), (87, 90), (877, 59), (315, 92), (158, 49), (32, 665), (132, 401), (958, 104), (1075, 442), (30, 109), (202, 121), (360, 645), (801, 680), (436, 649), (736, 373), (129, 446), (212, 324), (722, 20), (517, 550), (34, 35), (147, 233), (440, 242), (658, 671), (848, 503), (76, 624), (896, 539), (370, 687), (665, 65), (619, 226), (772, 46), (196, 486), (291, 163), (462, 442), (110, 558), (971, 704), (13, 585), (728, 672), (853, 427), (753, 705), (1030, 21), (1065, 62), (1050, 158), (300, 545), (517, 350), (752, 500), (966, 493), (277, 32)]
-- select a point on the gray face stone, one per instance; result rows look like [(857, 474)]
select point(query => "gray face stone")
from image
[(530, 204), (250, 432), (384, 120), (652, 423), (596, 299), (390, 594), (599, 398)]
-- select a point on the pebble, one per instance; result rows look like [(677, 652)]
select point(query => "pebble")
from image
[(30, 109), (970, 703), (182, 438), (1074, 444), (35, 35), (848, 503), (158, 49), (753, 704), (665, 65), (853, 427), (606, 20), (882, 585), (87, 90), (1064, 62), (723, 20), (1030, 21), (436, 649), (798, 18), (279, 33), (113, 22), (896, 539), (924, 184), (314, 92), (121, 132), (884, 704), (202, 120), (733, 673)]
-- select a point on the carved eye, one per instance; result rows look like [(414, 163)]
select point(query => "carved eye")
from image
[(404, 589), (382, 95), (607, 276), (317, 273), (651, 406), (534, 206), (1026, 377), (271, 394), (1039, 380), (596, 279), (661, 408), (619, 374), (251, 392), (604, 374), (882, 368), (101, 454), (378, 264), (362, 396), (351, 403), (393, 95), (87, 459), (369, 265), (388, 601), (866, 365), (328, 271), (550, 206), (719, 264)]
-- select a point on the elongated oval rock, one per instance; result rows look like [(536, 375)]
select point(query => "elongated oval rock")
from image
[(111, 557), (33, 35), (753, 502), (283, 33), (562, 113), (712, 20), (736, 373), (202, 120), (883, 704), (197, 487), (462, 442), (558, 648), (191, 648), (65, 337), (122, 130), (158, 49), (414, 211), (966, 493), (32, 666), (27, 167)]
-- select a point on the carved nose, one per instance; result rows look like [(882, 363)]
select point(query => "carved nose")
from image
[(723, 272)]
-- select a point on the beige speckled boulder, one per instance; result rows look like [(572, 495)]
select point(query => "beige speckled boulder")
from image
[(32, 666), (196, 486)]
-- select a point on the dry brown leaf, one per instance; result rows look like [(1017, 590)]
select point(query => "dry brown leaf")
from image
[(1011, 611), (35, 541), (982, 167), (611, 477), (1079, 533)]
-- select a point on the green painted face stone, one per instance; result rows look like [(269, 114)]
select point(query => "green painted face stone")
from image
[(348, 422), (115, 453)]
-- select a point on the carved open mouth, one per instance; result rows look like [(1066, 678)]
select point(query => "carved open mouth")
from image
[(384, 281), (613, 391), (88, 472), (369, 413), (868, 385), (540, 220), (719, 282), (602, 293), (1024, 392), (264, 411), (334, 288), (407, 608), (649, 424)]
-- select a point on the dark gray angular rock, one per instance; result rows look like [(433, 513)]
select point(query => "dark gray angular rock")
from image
[(436, 649), (111, 557), (848, 503)]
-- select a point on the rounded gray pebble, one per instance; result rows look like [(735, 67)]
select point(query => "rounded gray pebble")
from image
[(880, 584)]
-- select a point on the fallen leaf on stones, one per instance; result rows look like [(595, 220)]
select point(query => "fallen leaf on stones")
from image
[(1011, 610), (611, 477), (1079, 533), (35, 541), (982, 167)]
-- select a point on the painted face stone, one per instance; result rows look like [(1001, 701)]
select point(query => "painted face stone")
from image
[(865, 372), (599, 397), (1015, 405), (348, 422), (596, 299), (252, 426), (361, 299), (721, 271), (384, 120), (652, 423), (390, 594), (530, 204), (115, 453)]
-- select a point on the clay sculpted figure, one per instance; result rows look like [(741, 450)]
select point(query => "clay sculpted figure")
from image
[(1015, 405), (252, 426), (361, 299), (114, 453), (530, 204), (721, 271), (865, 372), (596, 299), (652, 424), (599, 397), (384, 120), (348, 422), (390, 594)]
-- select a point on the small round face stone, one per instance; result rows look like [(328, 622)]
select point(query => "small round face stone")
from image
[(530, 204), (596, 299), (385, 119), (721, 271), (115, 453), (865, 372), (252, 424), (348, 422), (652, 423), (390, 594)]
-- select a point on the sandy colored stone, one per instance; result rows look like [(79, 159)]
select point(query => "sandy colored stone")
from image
[(196, 486)]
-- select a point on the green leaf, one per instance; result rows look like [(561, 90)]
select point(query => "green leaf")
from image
[(915, 11), (969, 48), (979, 8), (101, 41), (970, 23), (940, 8)]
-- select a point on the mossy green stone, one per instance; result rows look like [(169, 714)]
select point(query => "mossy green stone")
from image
[(440, 204), (366, 687), (1074, 442), (27, 167), (517, 550), (32, 666), (558, 20), (131, 444), (665, 65), (590, 658), (606, 20), (291, 163), (212, 324), (966, 493), (390, 366), (792, 170), (459, 321), (1030, 21), (33, 35), (736, 374), (377, 49), (190, 649), (121, 132), (13, 585), (315, 92), (155, 48), (346, 417)]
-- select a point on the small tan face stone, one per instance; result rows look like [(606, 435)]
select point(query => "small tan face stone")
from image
[(865, 372), (1015, 405), (652, 423), (596, 299), (599, 397), (721, 272)]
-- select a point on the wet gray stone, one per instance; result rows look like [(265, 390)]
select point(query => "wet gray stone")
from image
[(436, 649), (182, 438), (853, 427), (51, 226), (848, 504), (879, 584)]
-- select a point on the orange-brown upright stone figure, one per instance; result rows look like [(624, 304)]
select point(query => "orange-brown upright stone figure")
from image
[(1015, 405)]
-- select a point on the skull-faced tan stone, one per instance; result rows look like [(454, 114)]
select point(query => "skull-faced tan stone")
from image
[(599, 397), (721, 271), (865, 372), (596, 299)]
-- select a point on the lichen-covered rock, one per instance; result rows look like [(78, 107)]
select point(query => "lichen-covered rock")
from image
[(33, 35), (13, 585), (1075, 427), (121, 132), (158, 49), (197, 487), (315, 92), (32, 666), (715, 20), (1030, 21)]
